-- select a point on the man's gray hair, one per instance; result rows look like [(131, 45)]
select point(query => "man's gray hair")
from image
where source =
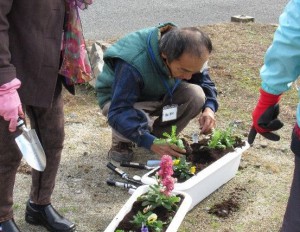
[(184, 40)]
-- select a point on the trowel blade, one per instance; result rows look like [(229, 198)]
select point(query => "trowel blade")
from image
[(32, 150)]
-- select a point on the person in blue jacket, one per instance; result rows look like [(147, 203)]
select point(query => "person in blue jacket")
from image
[(152, 79), (281, 68)]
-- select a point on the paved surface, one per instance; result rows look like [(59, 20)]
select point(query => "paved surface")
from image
[(110, 19)]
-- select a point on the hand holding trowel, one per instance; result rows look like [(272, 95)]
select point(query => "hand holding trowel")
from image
[(30, 147)]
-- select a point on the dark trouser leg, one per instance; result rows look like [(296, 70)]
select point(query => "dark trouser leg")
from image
[(190, 99), (10, 158), (49, 125), (291, 221)]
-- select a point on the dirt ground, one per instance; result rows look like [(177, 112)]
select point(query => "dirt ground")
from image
[(260, 188)]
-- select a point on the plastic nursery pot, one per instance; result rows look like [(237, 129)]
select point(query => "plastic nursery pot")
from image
[(176, 221), (209, 179)]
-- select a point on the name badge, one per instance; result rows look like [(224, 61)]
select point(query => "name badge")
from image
[(169, 113)]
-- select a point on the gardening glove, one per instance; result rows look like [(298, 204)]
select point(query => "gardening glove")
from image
[(10, 104), (264, 117)]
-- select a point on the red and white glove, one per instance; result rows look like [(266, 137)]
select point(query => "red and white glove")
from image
[(264, 117), (10, 104)]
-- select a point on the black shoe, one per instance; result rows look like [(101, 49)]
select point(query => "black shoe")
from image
[(9, 226), (48, 217)]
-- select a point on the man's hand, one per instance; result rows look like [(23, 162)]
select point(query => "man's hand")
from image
[(167, 149), (207, 121), (10, 104), (264, 117)]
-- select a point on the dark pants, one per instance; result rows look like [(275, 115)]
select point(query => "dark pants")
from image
[(291, 221), (49, 125), (190, 99)]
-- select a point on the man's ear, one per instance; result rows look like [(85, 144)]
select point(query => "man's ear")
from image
[(164, 56)]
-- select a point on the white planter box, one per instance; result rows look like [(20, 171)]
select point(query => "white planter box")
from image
[(209, 179), (177, 219)]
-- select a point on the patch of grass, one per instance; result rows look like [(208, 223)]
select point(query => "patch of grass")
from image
[(16, 206), (215, 224), (234, 66), (239, 228), (68, 209)]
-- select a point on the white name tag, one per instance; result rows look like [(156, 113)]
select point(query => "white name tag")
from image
[(169, 113)]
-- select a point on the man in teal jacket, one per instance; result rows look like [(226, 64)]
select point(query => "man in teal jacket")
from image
[(152, 79), (281, 68)]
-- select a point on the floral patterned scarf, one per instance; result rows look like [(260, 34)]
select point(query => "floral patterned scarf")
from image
[(75, 64)]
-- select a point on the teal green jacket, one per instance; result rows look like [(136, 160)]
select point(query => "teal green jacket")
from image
[(139, 49)]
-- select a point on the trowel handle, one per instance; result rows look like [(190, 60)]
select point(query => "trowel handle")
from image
[(120, 184), (116, 170), (20, 123), (133, 165), (153, 163)]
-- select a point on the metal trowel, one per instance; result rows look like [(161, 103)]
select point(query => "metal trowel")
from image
[(30, 147)]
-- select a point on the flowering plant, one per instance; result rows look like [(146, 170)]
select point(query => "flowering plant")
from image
[(159, 195), (183, 170)]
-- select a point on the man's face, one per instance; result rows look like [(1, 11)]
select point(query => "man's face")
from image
[(186, 65)]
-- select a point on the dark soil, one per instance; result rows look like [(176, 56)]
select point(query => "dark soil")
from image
[(24, 168), (228, 206), (162, 214), (202, 156)]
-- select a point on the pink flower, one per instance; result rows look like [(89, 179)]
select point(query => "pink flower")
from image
[(166, 167), (168, 182), (165, 173)]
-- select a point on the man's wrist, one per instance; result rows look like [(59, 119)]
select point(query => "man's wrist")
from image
[(146, 141)]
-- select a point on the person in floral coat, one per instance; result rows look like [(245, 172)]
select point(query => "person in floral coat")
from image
[(34, 64)]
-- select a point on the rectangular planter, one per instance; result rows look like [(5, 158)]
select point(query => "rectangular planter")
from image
[(173, 226), (209, 179)]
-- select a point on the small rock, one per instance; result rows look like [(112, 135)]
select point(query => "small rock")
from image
[(257, 165), (78, 191), (263, 145), (242, 19)]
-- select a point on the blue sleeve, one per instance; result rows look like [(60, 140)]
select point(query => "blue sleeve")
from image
[(122, 116), (282, 59), (203, 79)]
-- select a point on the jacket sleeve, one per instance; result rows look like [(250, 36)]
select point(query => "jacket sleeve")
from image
[(122, 116), (7, 70), (203, 79), (282, 59)]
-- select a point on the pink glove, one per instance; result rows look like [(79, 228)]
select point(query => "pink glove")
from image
[(10, 104)]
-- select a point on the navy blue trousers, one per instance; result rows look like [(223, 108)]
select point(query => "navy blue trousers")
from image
[(291, 220)]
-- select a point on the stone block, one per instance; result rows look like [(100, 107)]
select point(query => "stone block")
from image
[(242, 19)]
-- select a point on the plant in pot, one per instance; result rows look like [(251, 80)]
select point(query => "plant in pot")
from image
[(183, 170), (154, 208), (208, 163), (212, 147)]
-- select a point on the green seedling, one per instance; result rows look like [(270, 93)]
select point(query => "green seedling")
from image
[(222, 139), (170, 138)]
